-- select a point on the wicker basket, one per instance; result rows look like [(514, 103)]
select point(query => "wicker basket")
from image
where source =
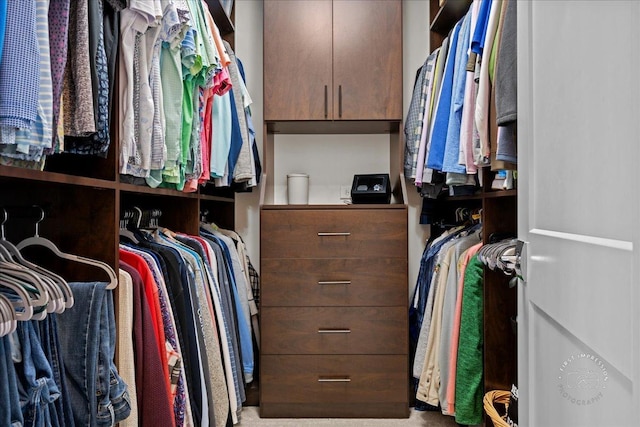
[(497, 396)]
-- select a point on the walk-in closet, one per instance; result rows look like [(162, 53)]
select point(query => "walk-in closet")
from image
[(319, 212)]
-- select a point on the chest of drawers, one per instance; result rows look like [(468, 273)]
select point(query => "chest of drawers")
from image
[(334, 312)]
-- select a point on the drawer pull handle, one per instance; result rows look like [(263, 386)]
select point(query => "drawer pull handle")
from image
[(334, 380), (322, 234), (334, 331), (334, 282)]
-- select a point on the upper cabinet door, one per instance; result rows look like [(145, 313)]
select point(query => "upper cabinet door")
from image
[(367, 59), (333, 60), (297, 60)]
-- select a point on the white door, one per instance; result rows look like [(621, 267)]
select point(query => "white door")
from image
[(579, 154)]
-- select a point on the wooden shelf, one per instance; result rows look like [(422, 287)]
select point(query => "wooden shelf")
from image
[(54, 177), (454, 199), (333, 127), (335, 206), (131, 188), (216, 198), (500, 193), (448, 14)]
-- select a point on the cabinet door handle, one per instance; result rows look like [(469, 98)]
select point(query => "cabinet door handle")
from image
[(323, 234), (334, 282), (326, 101), (334, 380), (340, 101), (334, 331)]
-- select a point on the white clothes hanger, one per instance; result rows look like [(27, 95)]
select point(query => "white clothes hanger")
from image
[(60, 295), (9, 321), (22, 302), (30, 280), (37, 240), (124, 231)]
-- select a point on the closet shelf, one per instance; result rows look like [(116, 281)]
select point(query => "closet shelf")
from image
[(448, 14), (500, 193), (334, 207), (454, 199), (54, 177), (131, 188), (333, 126), (216, 198)]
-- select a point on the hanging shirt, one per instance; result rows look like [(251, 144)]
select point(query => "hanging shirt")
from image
[(136, 102), (484, 85), (465, 155), (413, 126), (3, 24), (424, 174), (172, 35), (240, 170), (455, 336), (480, 31), (222, 133), (79, 119), (20, 67), (96, 143), (29, 144), (58, 43), (441, 120), (469, 376), (452, 144)]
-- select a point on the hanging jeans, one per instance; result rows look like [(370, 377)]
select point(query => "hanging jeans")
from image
[(61, 413), (36, 385), (87, 338), (10, 413)]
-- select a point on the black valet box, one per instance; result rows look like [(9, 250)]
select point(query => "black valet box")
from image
[(371, 189)]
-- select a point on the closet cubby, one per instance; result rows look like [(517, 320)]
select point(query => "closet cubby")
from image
[(499, 218), (83, 197)]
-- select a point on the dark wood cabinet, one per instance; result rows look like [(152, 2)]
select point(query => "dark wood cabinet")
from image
[(332, 60), (334, 312)]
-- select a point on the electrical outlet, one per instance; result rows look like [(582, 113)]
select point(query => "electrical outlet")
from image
[(345, 191)]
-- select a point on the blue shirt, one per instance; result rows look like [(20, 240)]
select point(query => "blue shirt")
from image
[(441, 120), (20, 70), (452, 145), (480, 32)]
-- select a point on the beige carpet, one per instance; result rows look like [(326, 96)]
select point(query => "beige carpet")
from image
[(250, 418)]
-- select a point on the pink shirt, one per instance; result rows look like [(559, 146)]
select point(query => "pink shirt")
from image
[(455, 333)]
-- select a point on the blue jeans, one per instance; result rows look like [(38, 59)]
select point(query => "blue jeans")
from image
[(36, 385), (61, 413), (98, 395), (10, 413)]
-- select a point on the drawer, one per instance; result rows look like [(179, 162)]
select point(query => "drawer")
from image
[(339, 233), (333, 379), (334, 330), (333, 282)]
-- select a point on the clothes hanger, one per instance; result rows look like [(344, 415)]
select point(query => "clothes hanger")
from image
[(19, 276), (21, 302), (9, 322), (60, 294), (124, 223), (31, 282), (37, 240)]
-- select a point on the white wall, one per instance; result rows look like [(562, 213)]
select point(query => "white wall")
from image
[(372, 150), (329, 160)]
